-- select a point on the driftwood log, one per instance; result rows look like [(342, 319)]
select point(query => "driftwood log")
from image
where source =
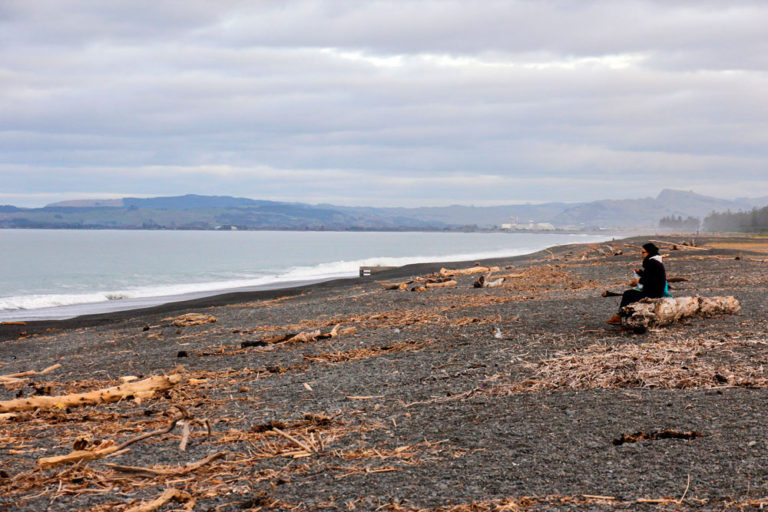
[(442, 284), (299, 337), (394, 286), (485, 281), (140, 389), (445, 272), (658, 312)]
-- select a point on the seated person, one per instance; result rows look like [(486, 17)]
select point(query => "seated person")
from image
[(651, 281)]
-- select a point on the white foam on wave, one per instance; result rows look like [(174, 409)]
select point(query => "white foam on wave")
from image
[(351, 268)]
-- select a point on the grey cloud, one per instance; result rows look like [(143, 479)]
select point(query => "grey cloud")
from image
[(542, 97)]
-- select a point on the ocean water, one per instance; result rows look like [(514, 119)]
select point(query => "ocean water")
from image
[(57, 274)]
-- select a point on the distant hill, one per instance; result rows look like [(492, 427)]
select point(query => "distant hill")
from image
[(481, 216), (225, 212), (202, 212)]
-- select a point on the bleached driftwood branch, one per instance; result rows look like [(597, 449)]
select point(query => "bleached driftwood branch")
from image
[(143, 389), (445, 272)]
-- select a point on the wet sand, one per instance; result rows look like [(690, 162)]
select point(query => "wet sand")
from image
[(516, 397)]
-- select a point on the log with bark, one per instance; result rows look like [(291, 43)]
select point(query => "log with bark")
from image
[(658, 312), (139, 389)]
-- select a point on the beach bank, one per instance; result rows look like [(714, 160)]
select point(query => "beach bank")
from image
[(515, 396)]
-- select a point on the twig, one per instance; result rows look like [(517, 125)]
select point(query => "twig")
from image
[(184, 436), (168, 472), (680, 501), (291, 438), (168, 495), (29, 373)]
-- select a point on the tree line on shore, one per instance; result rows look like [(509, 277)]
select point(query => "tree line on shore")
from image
[(752, 221)]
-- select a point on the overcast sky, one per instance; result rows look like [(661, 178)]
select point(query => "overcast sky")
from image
[(382, 102)]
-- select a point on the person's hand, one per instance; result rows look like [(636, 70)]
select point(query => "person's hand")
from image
[(634, 282)]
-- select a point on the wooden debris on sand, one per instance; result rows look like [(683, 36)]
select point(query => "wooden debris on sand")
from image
[(103, 450), (167, 471), (422, 283), (445, 272), (189, 319), (300, 337), (395, 286), (678, 364), (441, 284), (658, 312), (168, 495), (140, 389), (485, 281), (15, 378), (637, 437), (679, 246)]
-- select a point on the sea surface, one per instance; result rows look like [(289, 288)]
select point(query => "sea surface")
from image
[(58, 274)]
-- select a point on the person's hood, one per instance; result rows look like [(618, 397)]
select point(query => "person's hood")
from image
[(657, 258)]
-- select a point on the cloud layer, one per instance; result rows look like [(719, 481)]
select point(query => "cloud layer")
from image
[(383, 103)]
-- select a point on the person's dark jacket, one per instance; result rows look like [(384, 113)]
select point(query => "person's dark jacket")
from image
[(653, 277)]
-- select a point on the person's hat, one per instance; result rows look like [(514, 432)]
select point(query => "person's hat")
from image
[(651, 249)]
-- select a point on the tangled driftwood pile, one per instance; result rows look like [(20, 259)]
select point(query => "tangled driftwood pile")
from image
[(680, 364), (189, 319)]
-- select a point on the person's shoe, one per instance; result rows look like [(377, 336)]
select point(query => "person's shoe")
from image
[(614, 320)]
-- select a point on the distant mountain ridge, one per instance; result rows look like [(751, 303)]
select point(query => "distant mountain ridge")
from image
[(648, 211), (193, 211)]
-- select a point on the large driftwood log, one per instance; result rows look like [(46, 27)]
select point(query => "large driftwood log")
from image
[(445, 272), (657, 312), (143, 389)]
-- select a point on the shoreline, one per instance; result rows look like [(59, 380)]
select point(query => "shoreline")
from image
[(12, 329), (117, 311)]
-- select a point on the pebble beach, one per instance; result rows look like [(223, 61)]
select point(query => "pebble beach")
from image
[(346, 395)]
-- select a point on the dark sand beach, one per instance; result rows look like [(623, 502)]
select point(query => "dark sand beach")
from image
[(518, 397)]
